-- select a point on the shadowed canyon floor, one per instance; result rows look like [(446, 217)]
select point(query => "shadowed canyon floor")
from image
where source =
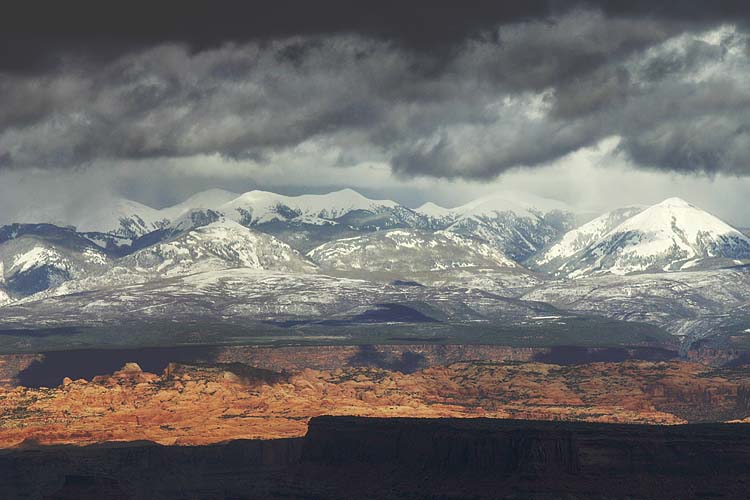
[(200, 404), (47, 369), (395, 458)]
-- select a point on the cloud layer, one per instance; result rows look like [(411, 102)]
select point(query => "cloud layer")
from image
[(525, 93)]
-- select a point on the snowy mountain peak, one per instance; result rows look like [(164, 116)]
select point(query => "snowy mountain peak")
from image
[(670, 235), (676, 216), (118, 216), (349, 197), (674, 203), (209, 199), (494, 204), (522, 205), (348, 194), (518, 228), (580, 238), (526, 205), (434, 210), (258, 207)]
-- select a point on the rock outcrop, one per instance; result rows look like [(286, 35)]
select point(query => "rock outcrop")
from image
[(201, 404)]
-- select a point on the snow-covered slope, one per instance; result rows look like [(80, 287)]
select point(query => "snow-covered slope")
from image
[(192, 219), (239, 297), (672, 235), (684, 303), (210, 199), (408, 250), (222, 244), (577, 240), (217, 246), (306, 221), (118, 216), (114, 216), (435, 211), (258, 207), (518, 228), (29, 263)]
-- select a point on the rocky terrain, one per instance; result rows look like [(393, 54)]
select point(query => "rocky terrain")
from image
[(199, 404)]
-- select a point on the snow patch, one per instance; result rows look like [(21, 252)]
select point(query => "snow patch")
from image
[(37, 257)]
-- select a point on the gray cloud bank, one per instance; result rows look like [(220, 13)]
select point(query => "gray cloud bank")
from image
[(524, 94)]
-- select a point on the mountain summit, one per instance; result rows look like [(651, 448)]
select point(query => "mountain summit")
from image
[(258, 207), (671, 235)]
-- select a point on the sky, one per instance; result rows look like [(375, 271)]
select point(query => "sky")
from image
[(597, 104)]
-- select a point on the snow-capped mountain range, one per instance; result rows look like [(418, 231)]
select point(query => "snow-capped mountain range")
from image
[(260, 207), (121, 241), (518, 229), (507, 249), (344, 230), (220, 244)]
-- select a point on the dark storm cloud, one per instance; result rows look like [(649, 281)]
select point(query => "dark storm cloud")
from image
[(42, 32), (438, 91)]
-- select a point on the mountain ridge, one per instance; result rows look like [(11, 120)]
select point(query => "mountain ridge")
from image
[(408, 250)]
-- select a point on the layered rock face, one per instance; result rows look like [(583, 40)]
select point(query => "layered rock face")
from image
[(396, 458), (503, 447), (199, 404)]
